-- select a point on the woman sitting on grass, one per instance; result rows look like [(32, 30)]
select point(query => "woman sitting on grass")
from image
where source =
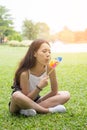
[(30, 79)]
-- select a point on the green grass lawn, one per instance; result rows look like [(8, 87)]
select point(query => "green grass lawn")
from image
[(72, 76)]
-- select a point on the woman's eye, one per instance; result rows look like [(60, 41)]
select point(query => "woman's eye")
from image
[(44, 51)]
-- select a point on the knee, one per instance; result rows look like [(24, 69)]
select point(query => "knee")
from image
[(16, 95)]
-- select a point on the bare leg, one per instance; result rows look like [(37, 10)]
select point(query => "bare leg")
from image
[(61, 98), (20, 101)]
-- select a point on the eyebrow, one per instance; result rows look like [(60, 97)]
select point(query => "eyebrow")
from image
[(46, 49)]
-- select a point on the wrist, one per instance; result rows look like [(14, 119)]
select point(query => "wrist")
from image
[(38, 88)]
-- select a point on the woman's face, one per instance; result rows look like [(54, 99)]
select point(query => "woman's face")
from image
[(43, 55)]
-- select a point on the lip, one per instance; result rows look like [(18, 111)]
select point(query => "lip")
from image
[(47, 60)]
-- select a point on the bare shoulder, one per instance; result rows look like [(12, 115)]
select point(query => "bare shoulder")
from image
[(24, 74)]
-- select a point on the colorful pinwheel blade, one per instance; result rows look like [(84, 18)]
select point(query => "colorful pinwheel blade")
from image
[(59, 59)]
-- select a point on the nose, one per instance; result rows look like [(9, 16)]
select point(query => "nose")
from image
[(48, 54)]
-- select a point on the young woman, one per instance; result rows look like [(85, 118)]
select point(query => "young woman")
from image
[(32, 77)]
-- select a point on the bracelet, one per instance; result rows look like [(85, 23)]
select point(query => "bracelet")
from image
[(39, 88)]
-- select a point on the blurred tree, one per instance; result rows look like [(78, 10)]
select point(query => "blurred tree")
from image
[(43, 30), (30, 30), (5, 23)]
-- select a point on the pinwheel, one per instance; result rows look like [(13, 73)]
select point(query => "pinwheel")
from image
[(54, 63)]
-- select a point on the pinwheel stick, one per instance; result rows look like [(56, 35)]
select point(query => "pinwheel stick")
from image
[(54, 66), (50, 71)]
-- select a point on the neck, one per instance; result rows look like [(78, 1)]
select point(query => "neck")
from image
[(38, 70)]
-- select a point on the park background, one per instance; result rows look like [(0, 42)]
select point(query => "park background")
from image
[(64, 24)]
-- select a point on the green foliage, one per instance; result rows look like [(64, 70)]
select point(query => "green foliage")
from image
[(29, 30), (72, 76), (6, 26), (15, 43), (5, 22), (33, 30), (15, 36)]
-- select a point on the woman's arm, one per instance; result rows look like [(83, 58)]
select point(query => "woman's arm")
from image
[(53, 84)]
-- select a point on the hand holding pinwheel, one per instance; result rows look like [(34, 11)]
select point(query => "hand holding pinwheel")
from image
[(54, 63)]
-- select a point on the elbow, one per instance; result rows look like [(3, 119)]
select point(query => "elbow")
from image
[(54, 93)]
